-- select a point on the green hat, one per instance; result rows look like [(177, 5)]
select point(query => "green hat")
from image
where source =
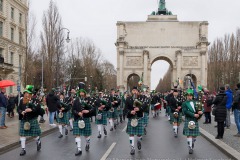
[(200, 88), (189, 92), (29, 89), (82, 90), (53, 89)]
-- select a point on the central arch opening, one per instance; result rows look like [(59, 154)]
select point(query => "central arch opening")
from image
[(132, 81), (161, 74)]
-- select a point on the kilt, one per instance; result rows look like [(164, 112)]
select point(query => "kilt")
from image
[(70, 115), (64, 119), (175, 120), (138, 130), (120, 111), (87, 131), (34, 129), (103, 121), (113, 114), (145, 118), (190, 132)]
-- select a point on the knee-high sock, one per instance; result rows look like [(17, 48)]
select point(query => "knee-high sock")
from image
[(23, 142), (71, 123), (111, 122), (78, 141), (189, 141), (131, 139), (175, 129), (99, 126), (87, 140), (104, 126), (60, 129)]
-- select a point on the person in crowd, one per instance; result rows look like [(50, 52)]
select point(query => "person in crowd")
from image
[(236, 109), (229, 94), (52, 102), (3, 107), (11, 105)]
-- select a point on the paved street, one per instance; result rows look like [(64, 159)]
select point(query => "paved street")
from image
[(158, 144)]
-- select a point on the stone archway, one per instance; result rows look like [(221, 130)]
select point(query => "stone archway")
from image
[(183, 44), (132, 81)]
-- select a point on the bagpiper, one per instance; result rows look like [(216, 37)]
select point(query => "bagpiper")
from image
[(28, 114), (135, 119), (113, 112), (192, 114), (63, 116), (81, 125), (102, 107), (176, 111)]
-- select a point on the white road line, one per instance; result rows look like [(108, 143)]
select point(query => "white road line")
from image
[(124, 129), (104, 157)]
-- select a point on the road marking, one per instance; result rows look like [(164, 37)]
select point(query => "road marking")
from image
[(104, 157), (124, 129)]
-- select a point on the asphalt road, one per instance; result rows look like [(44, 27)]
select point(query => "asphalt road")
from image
[(159, 143)]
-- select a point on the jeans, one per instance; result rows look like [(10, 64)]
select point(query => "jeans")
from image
[(208, 117), (237, 119), (51, 117), (3, 113), (228, 120)]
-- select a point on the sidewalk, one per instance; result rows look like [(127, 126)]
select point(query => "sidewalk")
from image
[(229, 144), (9, 138)]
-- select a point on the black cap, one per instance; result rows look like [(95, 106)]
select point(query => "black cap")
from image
[(81, 85), (222, 89), (135, 87)]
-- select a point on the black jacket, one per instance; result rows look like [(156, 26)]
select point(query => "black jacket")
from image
[(174, 103), (52, 102), (221, 111), (80, 106), (129, 108)]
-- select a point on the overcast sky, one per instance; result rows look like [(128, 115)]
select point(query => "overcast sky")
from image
[(96, 20)]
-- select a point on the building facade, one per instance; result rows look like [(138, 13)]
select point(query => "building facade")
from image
[(13, 20), (183, 44)]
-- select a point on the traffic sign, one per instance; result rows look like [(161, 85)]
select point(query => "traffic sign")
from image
[(18, 88)]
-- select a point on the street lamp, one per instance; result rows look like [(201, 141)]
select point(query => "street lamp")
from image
[(67, 40), (91, 77)]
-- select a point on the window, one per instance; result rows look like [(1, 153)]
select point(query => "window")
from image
[(20, 37), (1, 28), (20, 60), (12, 34), (12, 12), (1, 5), (1, 52), (11, 58), (20, 18)]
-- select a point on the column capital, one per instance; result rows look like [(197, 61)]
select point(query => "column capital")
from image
[(203, 53), (178, 52), (145, 52)]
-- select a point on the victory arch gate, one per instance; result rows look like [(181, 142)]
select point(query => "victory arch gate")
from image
[(162, 37)]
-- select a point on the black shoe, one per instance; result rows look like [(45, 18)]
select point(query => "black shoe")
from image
[(78, 153), (115, 126), (99, 136), (215, 126), (87, 147), (218, 137), (139, 145), (205, 123), (111, 129), (39, 145), (71, 130), (66, 131), (132, 151), (23, 152), (175, 135), (105, 131), (190, 151), (60, 136)]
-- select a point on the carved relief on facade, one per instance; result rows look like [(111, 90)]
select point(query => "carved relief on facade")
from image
[(190, 60), (2, 43), (12, 48), (134, 61)]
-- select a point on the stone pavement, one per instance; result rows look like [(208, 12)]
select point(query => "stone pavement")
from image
[(9, 138)]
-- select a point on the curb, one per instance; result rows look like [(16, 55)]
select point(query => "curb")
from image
[(29, 139), (229, 151)]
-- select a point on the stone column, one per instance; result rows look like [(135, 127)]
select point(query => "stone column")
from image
[(179, 64), (145, 66), (121, 54), (203, 68)]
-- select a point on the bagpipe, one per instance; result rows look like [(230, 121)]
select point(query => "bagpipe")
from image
[(199, 103)]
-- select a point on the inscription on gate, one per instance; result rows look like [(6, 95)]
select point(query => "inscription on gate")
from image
[(133, 61), (190, 61)]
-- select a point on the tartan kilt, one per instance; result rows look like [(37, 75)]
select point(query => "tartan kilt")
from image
[(145, 118), (175, 120), (190, 132), (87, 131), (64, 120), (103, 121), (138, 130), (34, 129), (113, 114), (70, 115), (120, 112)]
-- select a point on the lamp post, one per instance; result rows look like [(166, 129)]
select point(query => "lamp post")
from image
[(67, 40), (91, 77)]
